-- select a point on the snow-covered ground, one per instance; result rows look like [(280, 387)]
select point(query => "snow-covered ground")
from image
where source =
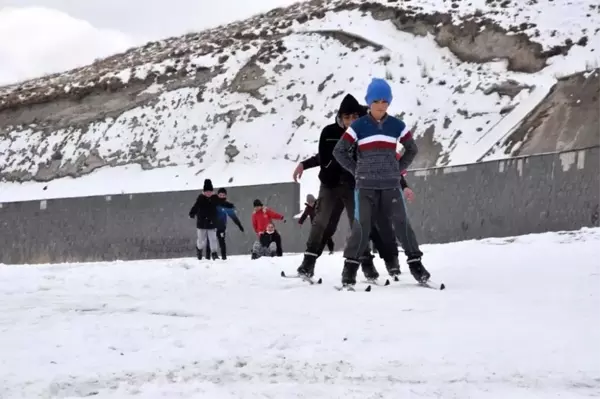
[(520, 319)]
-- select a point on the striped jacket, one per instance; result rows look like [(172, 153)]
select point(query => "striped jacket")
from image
[(376, 165)]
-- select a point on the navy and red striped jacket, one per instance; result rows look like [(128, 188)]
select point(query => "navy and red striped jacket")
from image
[(376, 165)]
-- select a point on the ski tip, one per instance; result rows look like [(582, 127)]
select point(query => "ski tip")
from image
[(320, 281), (368, 289), (396, 278), (442, 286), (387, 282), (282, 273)]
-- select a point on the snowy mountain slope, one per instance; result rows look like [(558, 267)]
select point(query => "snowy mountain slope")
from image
[(519, 319), (255, 93)]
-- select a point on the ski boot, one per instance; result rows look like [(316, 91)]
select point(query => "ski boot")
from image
[(418, 271), (307, 268), (393, 267), (349, 273), (214, 256), (368, 268), (198, 254), (254, 256)]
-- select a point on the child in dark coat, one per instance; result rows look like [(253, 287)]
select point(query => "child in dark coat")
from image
[(224, 213), (268, 244), (206, 212)]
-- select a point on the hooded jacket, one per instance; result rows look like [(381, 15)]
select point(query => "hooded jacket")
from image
[(206, 211), (332, 174)]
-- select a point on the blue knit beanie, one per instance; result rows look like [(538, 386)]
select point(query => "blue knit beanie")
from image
[(378, 89)]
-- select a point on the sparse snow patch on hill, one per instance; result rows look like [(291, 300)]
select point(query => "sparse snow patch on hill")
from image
[(233, 102)]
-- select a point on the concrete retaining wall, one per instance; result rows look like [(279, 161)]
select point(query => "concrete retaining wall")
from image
[(532, 194), (136, 226)]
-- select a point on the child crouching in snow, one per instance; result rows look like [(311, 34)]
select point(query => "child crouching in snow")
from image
[(268, 244)]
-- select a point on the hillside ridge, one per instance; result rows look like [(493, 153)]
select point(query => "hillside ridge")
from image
[(465, 71)]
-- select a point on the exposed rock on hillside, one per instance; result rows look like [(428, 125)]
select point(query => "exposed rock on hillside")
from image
[(568, 118)]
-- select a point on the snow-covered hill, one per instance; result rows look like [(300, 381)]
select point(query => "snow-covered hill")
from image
[(519, 319), (244, 102)]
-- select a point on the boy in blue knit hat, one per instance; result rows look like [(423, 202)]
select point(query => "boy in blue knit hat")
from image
[(377, 172)]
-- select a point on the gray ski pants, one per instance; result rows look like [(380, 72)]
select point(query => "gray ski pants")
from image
[(385, 209), (209, 235), (259, 250)]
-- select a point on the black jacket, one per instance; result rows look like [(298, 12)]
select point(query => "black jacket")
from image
[(206, 211), (332, 174), (266, 239)]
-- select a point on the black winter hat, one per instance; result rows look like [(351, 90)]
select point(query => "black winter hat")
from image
[(207, 185), (257, 202), (222, 191), (350, 105)]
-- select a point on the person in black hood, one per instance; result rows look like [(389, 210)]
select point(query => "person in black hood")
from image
[(336, 191), (206, 212)]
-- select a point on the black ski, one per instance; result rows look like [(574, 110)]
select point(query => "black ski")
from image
[(309, 280), (350, 288), (429, 284), (376, 282), (433, 285)]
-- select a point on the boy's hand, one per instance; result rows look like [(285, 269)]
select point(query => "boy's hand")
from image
[(409, 194), (298, 172)]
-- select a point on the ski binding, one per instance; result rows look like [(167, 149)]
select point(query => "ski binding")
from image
[(348, 287), (309, 280), (376, 282)]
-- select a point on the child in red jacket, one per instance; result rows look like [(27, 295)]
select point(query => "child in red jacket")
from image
[(262, 217)]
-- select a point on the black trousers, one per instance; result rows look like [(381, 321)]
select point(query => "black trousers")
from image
[(372, 208), (329, 243), (386, 209), (222, 245), (387, 249), (331, 204)]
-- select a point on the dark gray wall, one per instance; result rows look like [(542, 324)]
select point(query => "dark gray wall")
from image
[(532, 194), (492, 199), (136, 226), (516, 196)]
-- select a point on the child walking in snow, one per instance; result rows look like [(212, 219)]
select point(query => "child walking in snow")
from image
[(206, 212), (377, 172)]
